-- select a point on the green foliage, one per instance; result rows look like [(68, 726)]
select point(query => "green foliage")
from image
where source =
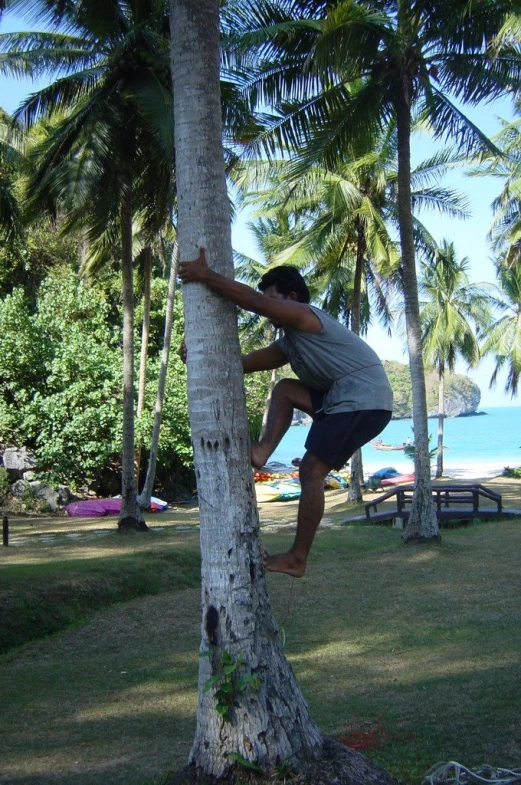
[(256, 386), (61, 380), (4, 485), (242, 761), (410, 452), (61, 372), (508, 472), (26, 261), (229, 682)]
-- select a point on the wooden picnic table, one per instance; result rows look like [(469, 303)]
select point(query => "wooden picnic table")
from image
[(455, 501)]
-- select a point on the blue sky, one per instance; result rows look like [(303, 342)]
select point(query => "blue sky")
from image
[(469, 236)]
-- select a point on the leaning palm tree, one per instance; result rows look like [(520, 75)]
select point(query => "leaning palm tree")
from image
[(454, 313), (338, 73), (109, 153)]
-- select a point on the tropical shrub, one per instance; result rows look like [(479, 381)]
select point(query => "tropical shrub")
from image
[(61, 382)]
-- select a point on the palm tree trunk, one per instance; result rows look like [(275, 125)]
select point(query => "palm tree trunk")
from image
[(268, 723), (145, 336), (422, 524), (146, 493), (130, 517), (271, 387), (441, 418), (354, 494)]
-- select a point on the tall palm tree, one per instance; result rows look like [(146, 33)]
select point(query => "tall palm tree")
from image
[(348, 215), (503, 339), (454, 314), (257, 714), (109, 156), (339, 72), (345, 244), (237, 623)]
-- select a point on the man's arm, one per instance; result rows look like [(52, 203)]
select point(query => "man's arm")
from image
[(260, 360), (264, 359), (288, 311)]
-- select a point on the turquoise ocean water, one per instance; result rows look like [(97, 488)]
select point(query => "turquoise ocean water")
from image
[(478, 446)]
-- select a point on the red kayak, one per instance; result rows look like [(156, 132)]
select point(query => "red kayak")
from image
[(400, 479)]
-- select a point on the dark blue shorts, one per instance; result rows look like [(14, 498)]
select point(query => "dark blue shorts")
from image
[(335, 437)]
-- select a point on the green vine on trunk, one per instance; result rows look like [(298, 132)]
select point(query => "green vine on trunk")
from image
[(230, 682)]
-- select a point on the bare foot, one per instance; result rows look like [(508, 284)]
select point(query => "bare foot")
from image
[(259, 455), (287, 563)]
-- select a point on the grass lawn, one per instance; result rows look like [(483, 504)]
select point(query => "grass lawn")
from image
[(411, 653)]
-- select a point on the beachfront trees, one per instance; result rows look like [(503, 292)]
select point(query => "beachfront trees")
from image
[(453, 316), (505, 234), (504, 337), (262, 717), (339, 72), (344, 243), (108, 156)]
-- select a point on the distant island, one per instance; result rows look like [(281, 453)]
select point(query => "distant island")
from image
[(462, 395)]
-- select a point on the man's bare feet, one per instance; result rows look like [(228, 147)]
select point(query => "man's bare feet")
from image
[(259, 455), (287, 563)]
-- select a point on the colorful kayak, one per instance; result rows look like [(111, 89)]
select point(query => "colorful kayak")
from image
[(401, 479), (277, 491)]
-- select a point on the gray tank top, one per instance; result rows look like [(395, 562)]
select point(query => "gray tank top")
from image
[(340, 364)]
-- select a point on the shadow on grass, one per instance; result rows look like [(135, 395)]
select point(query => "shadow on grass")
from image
[(421, 643)]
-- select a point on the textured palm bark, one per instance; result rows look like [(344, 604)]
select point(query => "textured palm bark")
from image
[(338, 765), (130, 518), (422, 524), (270, 724)]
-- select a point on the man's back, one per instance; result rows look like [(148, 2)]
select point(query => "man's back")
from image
[(338, 362)]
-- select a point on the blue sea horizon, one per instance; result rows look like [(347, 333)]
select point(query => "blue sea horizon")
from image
[(477, 446)]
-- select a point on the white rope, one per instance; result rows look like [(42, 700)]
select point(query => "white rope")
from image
[(456, 774)]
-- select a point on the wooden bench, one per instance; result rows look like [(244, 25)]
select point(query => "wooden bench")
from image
[(451, 502)]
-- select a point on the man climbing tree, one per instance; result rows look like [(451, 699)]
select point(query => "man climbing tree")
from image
[(250, 706), (341, 384)]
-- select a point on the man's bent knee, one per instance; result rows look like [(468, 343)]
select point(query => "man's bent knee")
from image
[(295, 392), (313, 469)]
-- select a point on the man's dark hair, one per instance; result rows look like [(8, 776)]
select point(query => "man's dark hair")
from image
[(286, 279)]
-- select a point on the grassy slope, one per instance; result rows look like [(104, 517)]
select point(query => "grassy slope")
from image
[(45, 589), (412, 651)]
